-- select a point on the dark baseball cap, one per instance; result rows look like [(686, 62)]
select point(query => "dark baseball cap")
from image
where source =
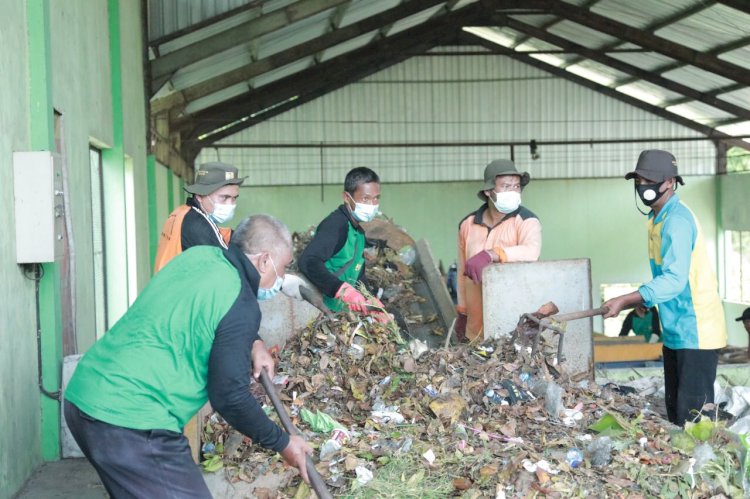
[(745, 315), (212, 176), (655, 165), (498, 168)]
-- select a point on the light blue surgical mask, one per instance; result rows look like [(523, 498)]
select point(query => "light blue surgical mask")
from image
[(364, 212), (268, 293), (222, 213)]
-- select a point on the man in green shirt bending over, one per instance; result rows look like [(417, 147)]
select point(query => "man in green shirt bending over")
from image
[(191, 336)]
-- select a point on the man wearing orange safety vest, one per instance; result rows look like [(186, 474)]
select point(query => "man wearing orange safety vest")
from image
[(196, 223)]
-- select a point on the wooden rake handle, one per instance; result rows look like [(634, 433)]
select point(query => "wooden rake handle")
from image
[(316, 481)]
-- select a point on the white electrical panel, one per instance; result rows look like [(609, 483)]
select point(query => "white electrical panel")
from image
[(39, 206)]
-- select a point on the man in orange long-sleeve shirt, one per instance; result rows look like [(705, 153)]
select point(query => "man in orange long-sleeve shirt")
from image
[(500, 231)]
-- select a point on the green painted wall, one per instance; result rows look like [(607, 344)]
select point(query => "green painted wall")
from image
[(735, 188), (582, 218), (134, 126), (59, 53), (735, 215), (19, 396), (80, 54)]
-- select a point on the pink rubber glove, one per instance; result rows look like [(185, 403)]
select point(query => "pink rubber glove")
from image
[(352, 298), (377, 310), (475, 265)]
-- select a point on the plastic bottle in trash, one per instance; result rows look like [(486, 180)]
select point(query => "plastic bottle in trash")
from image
[(574, 458)]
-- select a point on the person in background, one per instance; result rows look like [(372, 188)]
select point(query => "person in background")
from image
[(451, 282), (500, 231), (684, 287), (190, 336), (644, 322), (196, 223), (745, 319), (334, 259)]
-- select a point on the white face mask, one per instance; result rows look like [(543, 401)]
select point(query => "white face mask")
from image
[(364, 212), (507, 202), (222, 212)]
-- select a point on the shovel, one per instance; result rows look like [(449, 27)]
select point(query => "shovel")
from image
[(315, 300), (316, 481), (532, 325)]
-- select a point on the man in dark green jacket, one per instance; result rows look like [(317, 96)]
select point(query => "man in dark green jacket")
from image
[(191, 336), (334, 259)]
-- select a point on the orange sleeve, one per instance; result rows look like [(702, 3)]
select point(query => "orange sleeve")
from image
[(460, 277)]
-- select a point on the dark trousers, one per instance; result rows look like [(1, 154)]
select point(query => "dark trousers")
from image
[(689, 377), (137, 463)]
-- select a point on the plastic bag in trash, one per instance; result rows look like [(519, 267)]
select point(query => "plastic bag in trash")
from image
[(600, 451), (407, 254), (703, 454), (553, 400)]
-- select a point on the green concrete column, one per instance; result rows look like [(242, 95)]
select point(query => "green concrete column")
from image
[(153, 222), (42, 125), (170, 190), (113, 178)]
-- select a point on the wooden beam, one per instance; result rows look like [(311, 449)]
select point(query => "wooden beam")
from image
[(642, 74), (709, 132), (637, 36), (167, 64), (295, 84), (292, 54)]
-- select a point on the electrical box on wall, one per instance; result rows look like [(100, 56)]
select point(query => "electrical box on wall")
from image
[(39, 206)]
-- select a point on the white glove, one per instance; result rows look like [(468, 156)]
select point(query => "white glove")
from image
[(290, 286)]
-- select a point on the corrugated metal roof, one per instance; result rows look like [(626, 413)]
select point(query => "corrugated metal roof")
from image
[(581, 34), (697, 78), (498, 100), (295, 34), (208, 68), (638, 13), (281, 72), (343, 48), (362, 9), (738, 56), (413, 20), (694, 24), (739, 97), (646, 60), (168, 16), (713, 26)]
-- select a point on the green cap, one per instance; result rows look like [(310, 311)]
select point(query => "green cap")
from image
[(498, 168), (212, 176)]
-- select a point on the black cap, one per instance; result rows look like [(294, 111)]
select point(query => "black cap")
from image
[(745, 315), (656, 166)]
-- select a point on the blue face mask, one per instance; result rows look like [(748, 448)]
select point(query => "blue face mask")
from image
[(268, 293)]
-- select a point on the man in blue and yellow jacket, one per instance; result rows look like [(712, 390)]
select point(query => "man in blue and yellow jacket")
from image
[(684, 287)]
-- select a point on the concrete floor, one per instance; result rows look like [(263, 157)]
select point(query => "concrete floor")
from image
[(77, 479), (65, 479)]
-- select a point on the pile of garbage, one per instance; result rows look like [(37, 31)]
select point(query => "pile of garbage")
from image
[(390, 418)]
